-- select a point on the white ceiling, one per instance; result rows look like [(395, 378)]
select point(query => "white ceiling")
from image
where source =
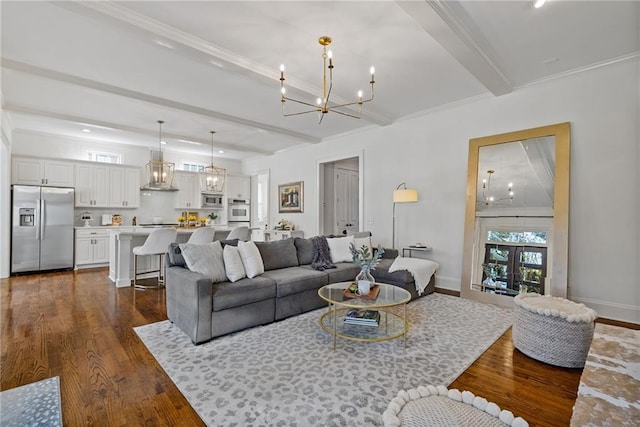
[(105, 66)]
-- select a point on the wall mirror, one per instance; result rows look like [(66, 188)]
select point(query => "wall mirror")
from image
[(517, 215)]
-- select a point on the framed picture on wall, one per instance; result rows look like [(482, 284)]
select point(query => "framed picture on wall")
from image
[(291, 197)]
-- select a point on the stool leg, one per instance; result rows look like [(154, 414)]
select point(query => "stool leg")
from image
[(135, 270), (160, 270)]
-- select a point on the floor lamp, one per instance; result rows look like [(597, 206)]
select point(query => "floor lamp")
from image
[(401, 195)]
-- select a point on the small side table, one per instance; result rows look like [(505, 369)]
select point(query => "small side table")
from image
[(412, 249)]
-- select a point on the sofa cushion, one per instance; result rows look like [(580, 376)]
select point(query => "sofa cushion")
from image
[(292, 280), (278, 254), (244, 291), (233, 263), (381, 273), (206, 259), (344, 272), (304, 247), (339, 248), (251, 260)]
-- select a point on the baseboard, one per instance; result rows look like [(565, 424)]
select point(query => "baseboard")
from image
[(446, 291), (612, 322), (612, 311)]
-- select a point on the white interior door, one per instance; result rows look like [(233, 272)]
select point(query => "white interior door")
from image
[(346, 201)]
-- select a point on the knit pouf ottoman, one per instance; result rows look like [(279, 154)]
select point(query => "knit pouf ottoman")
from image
[(553, 330), (440, 407)]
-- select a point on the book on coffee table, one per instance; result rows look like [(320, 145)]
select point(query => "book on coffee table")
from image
[(363, 317)]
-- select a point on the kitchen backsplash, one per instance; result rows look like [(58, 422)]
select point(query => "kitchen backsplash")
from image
[(152, 204)]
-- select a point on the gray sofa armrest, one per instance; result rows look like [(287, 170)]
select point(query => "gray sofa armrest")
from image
[(390, 253), (190, 302)]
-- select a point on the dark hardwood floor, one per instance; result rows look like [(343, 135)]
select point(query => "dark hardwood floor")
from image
[(78, 326)]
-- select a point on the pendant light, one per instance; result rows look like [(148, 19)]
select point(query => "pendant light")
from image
[(159, 172), (215, 176)]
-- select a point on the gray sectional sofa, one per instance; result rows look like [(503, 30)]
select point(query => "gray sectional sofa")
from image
[(288, 286)]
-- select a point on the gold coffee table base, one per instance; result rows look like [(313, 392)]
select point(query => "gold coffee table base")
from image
[(391, 325)]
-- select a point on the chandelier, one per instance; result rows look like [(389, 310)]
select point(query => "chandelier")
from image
[(159, 172), (215, 176), (488, 199), (322, 105)]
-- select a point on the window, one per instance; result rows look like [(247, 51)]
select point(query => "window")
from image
[(193, 166), (103, 157), (510, 268)]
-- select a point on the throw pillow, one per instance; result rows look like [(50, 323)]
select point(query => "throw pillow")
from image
[(233, 263), (339, 248), (206, 259), (251, 259), (278, 254)]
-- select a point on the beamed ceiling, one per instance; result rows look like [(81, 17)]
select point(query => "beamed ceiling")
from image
[(116, 68)]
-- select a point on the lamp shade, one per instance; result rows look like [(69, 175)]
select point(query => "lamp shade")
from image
[(405, 195)]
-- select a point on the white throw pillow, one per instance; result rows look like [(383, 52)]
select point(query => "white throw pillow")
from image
[(364, 241), (206, 259), (251, 259), (233, 263), (339, 248)]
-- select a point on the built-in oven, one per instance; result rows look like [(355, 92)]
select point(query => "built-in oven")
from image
[(239, 210), (211, 200)]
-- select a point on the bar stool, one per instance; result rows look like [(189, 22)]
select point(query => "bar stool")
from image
[(241, 232), (202, 235), (156, 244)]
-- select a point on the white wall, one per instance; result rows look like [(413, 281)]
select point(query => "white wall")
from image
[(429, 153)]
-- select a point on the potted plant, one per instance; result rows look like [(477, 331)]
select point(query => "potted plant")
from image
[(367, 260), (211, 218)]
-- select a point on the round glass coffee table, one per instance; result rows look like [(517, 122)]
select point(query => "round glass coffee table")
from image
[(361, 318)]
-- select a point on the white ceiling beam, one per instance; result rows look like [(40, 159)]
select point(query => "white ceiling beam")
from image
[(127, 93), (230, 59), (140, 131), (452, 27)]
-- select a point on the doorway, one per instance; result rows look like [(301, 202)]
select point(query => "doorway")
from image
[(340, 195)]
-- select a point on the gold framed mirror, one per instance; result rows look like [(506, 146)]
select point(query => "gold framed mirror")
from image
[(516, 233)]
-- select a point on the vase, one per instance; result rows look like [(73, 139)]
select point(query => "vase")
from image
[(365, 281)]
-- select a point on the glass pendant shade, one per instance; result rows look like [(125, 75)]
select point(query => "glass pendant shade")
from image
[(158, 172), (215, 177)]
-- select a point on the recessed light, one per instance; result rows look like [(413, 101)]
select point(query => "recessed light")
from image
[(221, 151), (86, 130), (538, 3), (163, 143), (163, 44)]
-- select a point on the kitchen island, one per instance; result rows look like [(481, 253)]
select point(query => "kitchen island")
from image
[(122, 240)]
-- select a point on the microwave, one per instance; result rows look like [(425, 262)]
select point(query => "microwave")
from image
[(211, 200)]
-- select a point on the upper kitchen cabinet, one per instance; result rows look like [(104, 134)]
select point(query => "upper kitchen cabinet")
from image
[(188, 194), (238, 186), (53, 173), (124, 187), (92, 189)]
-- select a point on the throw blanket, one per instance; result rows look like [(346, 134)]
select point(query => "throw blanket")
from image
[(420, 269), (321, 259)]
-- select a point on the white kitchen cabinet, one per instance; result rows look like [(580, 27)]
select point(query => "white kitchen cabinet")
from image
[(188, 194), (124, 187), (92, 185), (53, 173), (270, 235), (92, 247), (238, 186)]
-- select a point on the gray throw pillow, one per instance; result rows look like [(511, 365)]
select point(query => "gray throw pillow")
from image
[(206, 259), (304, 248), (175, 256), (278, 254)]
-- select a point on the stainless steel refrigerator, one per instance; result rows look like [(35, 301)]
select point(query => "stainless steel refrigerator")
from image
[(42, 228)]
